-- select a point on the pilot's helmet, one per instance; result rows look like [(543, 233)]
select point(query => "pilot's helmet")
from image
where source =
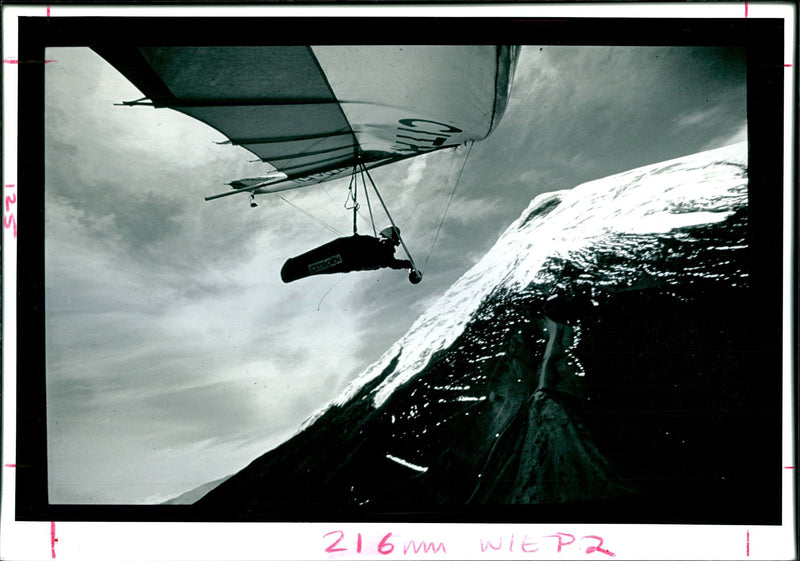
[(392, 233)]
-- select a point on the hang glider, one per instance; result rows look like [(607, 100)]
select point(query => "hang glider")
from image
[(318, 113)]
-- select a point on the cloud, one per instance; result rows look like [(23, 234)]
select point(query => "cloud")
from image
[(156, 317), (737, 136), (415, 172), (174, 351), (697, 118)]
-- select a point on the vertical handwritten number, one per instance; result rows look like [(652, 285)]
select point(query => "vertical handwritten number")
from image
[(598, 547), (385, 548), (332, 548), (9, 220)]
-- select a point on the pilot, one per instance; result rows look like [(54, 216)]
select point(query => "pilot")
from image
[(384, 248), (353, 253)]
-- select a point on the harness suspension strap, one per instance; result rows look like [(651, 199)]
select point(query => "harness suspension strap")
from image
[(355, 219), (352, 193), (391, 221), (355, 205)]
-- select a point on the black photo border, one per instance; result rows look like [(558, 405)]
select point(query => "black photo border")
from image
[(762, 38)]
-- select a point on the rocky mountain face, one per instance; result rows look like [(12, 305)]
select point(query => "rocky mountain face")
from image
[(607, 360)]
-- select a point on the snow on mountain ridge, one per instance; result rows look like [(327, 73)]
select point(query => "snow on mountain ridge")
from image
[(654, 199), (683, 192)]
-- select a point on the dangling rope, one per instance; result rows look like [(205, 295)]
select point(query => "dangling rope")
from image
[(328, 292), (449, 202)]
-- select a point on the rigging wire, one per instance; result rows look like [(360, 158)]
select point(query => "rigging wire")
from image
[(421, 200), (324, 188), (311, 216), (448, 178), (369, 206), (447, 207), (391, 220), (352, 195)]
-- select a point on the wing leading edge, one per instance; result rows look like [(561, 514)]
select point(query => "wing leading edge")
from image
[(313, 113)]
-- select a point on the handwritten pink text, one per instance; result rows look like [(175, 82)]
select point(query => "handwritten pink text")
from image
[(9, 214)]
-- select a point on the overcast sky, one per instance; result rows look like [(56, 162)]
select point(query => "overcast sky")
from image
[(175, 354)]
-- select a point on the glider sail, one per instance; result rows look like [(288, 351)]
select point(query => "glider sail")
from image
[(315, 113)]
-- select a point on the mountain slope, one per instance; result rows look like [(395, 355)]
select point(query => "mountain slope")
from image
[(591, 358)]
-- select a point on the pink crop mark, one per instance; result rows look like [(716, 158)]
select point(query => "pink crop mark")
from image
[(10, 60), (10, 465), (748, 543), (53, 539)]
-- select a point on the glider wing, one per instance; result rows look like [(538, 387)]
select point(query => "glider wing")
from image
[(313, 113)]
